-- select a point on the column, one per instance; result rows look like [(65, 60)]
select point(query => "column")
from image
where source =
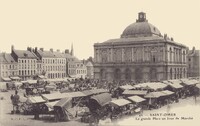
[(132, 54), (122, 52), (111, 51)]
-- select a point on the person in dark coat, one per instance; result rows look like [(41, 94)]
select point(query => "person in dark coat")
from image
[(15, 102)]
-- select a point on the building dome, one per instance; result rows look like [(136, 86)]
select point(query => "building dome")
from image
[(141, 28)]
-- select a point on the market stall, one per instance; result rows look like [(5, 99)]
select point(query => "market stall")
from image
[(128, 93)]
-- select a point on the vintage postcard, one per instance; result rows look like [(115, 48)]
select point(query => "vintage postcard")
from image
[(99, 63)]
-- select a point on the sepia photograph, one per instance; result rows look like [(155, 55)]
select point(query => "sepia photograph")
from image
[(99, 63)]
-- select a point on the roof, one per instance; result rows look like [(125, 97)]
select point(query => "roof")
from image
[(6, 79), (140, 29), (6, 58), (102, 99), (152, 85), (167, 92), (190, 82), (53, 96), (87, 92), (175, 85), (194, 53), (51, 104), (154, 95), (120, 102), (45, 53), (136, 99), (134, 92), (97, 91), (125, 87), (25, 54), (159, 94), (36, 99), (175, 81), (89, 64), (74, 94), (64, 102)]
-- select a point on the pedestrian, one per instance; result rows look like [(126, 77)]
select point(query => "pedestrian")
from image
[(15, 102)]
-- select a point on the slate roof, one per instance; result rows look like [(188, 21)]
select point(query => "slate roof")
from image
[(25, 54), (6, 58)]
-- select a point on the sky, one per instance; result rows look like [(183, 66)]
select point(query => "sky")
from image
[(59, 23)]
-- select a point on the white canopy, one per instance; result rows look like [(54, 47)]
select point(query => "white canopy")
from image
[(36, 99), (120, 102), (136, 99)]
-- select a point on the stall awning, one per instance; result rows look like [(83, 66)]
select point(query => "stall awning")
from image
[(136, 99), (120, 102), (15, 78), (64, 103), (17, 83), (167, 92), (87, 92), (74, 94), (102, 99), (32, 81), (53, 96), (36, 99), (175, 81), (154, 86), (189, 82), (159, 94), (126, 87), (42, 76), (6, 79), (97, 91), (176, 85), (134, 92), (154, 95), (50, 105)]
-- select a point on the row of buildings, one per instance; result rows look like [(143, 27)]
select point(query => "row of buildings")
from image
[(143, 54), (27, 64)]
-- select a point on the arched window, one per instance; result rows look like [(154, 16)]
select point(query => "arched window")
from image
[(117, 74), (170, 54), (170, 73), (138, 75), (128, 74), (103, 74), (153, 74), (174, 73)]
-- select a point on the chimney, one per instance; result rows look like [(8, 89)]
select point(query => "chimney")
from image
[(58, 50), (51, 49), (193, 49), (35, 49), (29, 49), (66, 51), (12, 48), (42, 49)]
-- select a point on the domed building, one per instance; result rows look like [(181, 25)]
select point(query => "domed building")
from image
[(141, 54)]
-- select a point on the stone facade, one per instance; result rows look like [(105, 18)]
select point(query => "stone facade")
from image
[(193, 63), (141, 54), (8, 66), (27, 62)]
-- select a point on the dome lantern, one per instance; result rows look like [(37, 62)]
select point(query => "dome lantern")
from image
[(141, 17)]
